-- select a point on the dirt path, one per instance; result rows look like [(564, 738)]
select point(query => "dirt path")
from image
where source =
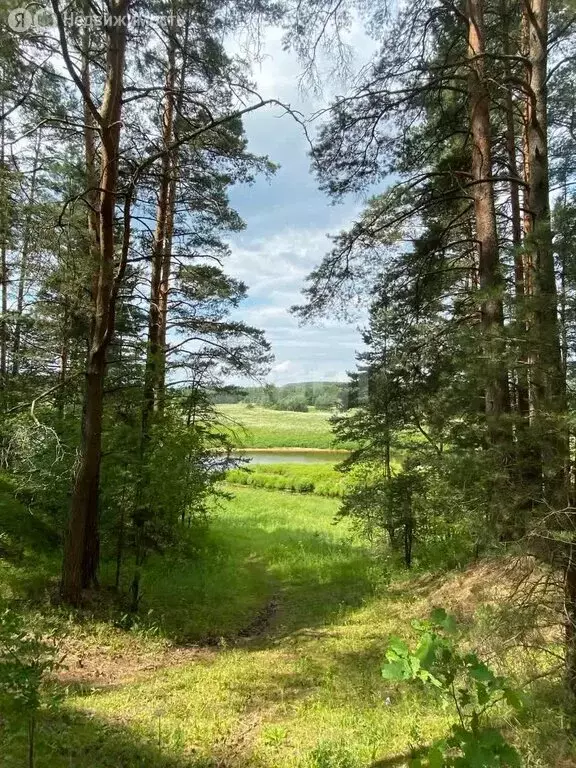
[(101, 666)]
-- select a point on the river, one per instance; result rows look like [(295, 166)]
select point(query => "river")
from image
[(291, 456)]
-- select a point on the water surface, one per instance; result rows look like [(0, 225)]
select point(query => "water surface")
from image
[(291, 457)]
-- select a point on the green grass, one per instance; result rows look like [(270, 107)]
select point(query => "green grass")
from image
[(260, 546), (304, 691), (264, 428), (321, 479)]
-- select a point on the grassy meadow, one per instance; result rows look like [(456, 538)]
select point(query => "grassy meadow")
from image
[(264, 652), (256, 427), (322, 479)]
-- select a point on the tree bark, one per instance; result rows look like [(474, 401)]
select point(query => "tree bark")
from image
[(497, 396), (82, 545), (549, 386), (165, 290), (167, 260), (3, 252), (522, 397), (570, 622), (161, 254)]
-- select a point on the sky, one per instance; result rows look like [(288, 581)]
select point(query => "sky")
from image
[(288, 221)]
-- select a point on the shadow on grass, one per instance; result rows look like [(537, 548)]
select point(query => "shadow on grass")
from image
[(398, 760), (320, 580), (311, 578), (67, 739), (221, 580)]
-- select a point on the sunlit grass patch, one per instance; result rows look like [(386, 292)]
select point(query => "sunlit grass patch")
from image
[(258, 427)]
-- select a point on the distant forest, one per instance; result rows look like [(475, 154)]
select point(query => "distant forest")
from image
[(323, 395)]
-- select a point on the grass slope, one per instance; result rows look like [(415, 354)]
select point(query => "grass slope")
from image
[(264, 428), (298, 688)]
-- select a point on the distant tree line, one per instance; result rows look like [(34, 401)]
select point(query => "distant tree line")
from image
[(321, 395)]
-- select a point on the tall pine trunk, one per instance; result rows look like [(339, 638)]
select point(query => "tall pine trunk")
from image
[(171, 214), (161, 252), (82, 546), (548, 382), (522, 399), (4, 206), (525, 473), (497, 398), (165, 291)]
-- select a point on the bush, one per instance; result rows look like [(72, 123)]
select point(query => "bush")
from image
[(27, 656), (465, 681), (298, 406)]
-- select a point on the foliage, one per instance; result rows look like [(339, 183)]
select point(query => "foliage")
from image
[(464, 680), (119, 329), (100, 385), (321, 395), (427, 509), (27, 656)]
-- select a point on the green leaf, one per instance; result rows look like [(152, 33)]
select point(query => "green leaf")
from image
[(481, 673), (465, 698), (414, 662), (397, 647), (491, 738), (445, 620), (435, 757), (510, 757), (428, 677), (513, 698), (438, 615), (396, 670), (426, 650), (483, 694)]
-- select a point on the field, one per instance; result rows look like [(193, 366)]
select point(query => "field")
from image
[(322, 479), (262, 652), (264, 428)]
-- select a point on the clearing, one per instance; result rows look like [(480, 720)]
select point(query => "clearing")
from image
[(262, 650)]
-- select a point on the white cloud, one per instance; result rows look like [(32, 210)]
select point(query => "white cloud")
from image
[(275, 269), (288, 220), (283, 367)]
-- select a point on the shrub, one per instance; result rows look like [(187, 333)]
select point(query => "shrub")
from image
[(27, 656), (462, 679)]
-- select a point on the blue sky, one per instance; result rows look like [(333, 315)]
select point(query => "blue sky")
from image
[(287, 225)]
